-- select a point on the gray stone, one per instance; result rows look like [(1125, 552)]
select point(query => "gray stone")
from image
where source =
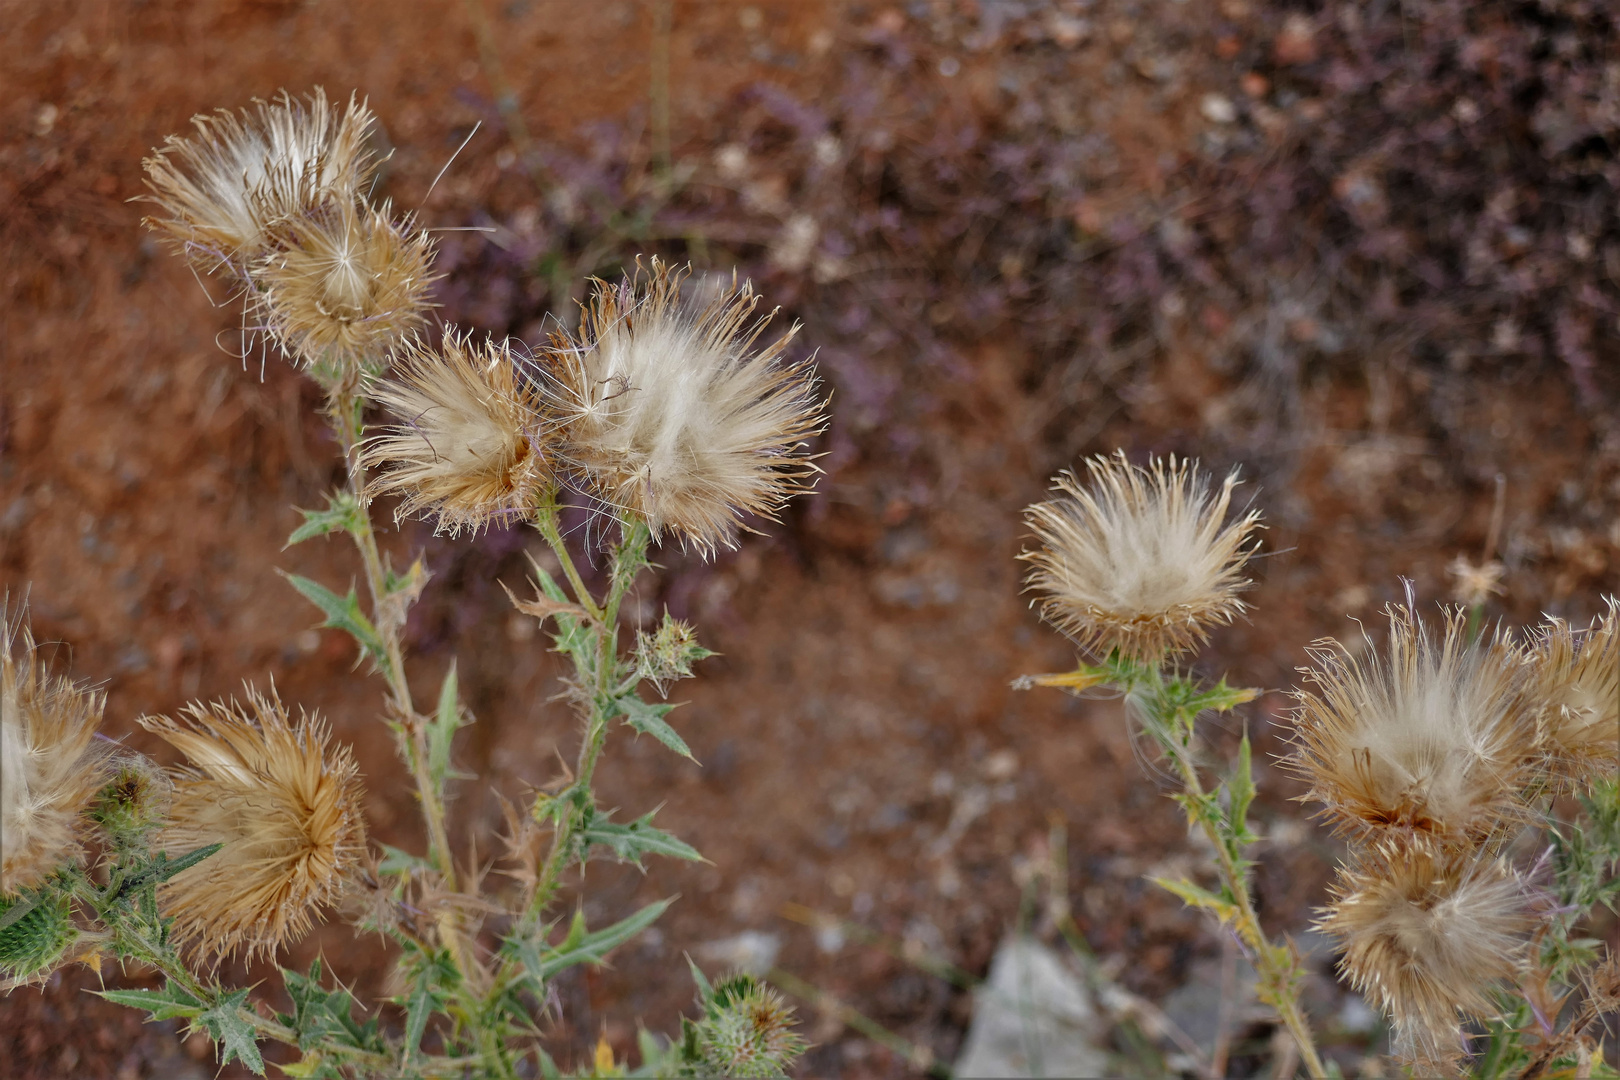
[(1033, 1017)]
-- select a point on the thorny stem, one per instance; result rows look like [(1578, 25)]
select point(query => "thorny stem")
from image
[(1172, 726), (346, 415), (1274, 963), (600, 683)]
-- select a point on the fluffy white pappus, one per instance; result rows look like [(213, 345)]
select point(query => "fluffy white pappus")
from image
[(1437, 735), (1140, 559), (1577, 681), (222, 188), (50, 765), (673, 415), (472, 444), (1426, 933), (342, 285)]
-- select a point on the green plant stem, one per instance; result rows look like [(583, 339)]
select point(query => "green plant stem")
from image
[(599, 681), (1273, 962), (346, 414)]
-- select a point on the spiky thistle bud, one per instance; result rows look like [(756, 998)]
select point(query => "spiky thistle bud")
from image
[(1426, 933), (1438, 736), (675, 417), (1577, 679), (747, 1030), (341, 284), (32, 943), (223, 188), (667, 654), (285, 804), (473, 439), (1140, 559), (132, 803), (50, 765)]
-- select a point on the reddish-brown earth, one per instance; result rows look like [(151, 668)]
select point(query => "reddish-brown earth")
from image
[(863, 754)]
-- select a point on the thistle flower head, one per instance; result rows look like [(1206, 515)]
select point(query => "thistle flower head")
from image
[(286, 806), (50, 768), (472, 442), (1577, 680), (221, 189), (132, 803), (748, 1030), (1426, 932), (341, 284), (1437, 737), (1139, 559), (673, 415)]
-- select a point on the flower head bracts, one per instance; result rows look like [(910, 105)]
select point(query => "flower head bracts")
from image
[(672, 415), (341, 284), (1140, 559)]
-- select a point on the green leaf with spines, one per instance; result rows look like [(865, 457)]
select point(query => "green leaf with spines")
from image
[(631, 840), (579, 946), (441, 728), (1240, 792), (647, 718), (320, 1015), (169, 1002), (227, 1023), (343, 613), (432, 979), (1222, 906), (342, 514), (398, 861)]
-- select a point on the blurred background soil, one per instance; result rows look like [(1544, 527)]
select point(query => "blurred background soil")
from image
[(1367, 252)]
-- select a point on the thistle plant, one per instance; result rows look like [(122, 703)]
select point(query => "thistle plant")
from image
[(1135, 567), (1441, 758), (661, 418)]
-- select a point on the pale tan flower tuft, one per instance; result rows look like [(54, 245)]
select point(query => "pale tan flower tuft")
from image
[(286, 806), (223, 188), (1139, 560), (1577, 680), (672, 415), (1427, 933), (1473, 585), (472, 443), (342, 284), (50, 765), (1439, 738)]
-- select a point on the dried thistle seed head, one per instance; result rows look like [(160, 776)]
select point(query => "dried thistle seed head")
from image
[(1577, 682), (221, 189), (1139, 559), (675, 417), (286, 806), (1426, 933), (50, 765), (472, 441), (341, 284), (1438, 736)]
